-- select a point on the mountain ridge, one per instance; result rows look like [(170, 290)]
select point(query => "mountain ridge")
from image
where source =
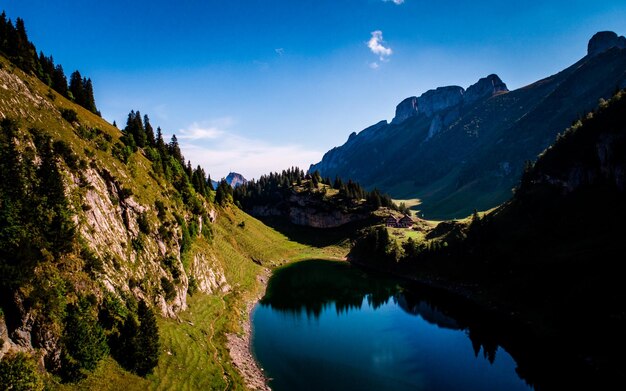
[(469, 156)]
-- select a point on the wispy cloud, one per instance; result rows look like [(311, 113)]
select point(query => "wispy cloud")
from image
[(280, 51), (219, 151), (397, 2), (205, 130), (376, 46)]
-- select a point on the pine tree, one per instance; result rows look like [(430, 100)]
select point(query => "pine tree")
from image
[(338, 184), (148, 340), (59, 81), (149, 131), (127, 347), (160, 144), (76, 88), (224, 193), (134, 128), (83, 340), (90, 102), (174, 150), (58, 228)]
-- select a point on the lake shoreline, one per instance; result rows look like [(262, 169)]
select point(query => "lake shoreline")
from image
[(240, 346), (535, 347)]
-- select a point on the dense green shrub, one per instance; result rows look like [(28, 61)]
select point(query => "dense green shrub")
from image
[(83, 340), (69, 115), (136, 347), (171, 263), (168, 288), (143, 223), (18, 372), (121, 152)]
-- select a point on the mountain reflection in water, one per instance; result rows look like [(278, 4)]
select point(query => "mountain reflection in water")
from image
[(330, 325)]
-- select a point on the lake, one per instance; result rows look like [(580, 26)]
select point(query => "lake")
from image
[(326, 325)]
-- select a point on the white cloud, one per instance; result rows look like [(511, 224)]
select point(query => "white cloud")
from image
[(374, 65), (205, 130), (397, 2), (280, 51), (376, 45), (196, 132), (220, 151)]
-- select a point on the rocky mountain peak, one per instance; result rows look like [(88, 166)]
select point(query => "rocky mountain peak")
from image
[(406, 109), (604, 40), (234, 179), (484, 88), (440, 99)]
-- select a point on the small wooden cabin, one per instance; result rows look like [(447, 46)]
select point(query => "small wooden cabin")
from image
[(406, 222), (392, 222)]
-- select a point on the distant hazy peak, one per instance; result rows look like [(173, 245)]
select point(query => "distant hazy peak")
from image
[(604, 40), (234, 179), (484, 88)]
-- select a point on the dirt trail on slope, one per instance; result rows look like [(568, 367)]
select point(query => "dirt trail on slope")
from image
[(240, 348)]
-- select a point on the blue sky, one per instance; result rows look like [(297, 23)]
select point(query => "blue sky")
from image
[(259, 85)]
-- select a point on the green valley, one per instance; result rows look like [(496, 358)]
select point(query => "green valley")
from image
[(124, 266)]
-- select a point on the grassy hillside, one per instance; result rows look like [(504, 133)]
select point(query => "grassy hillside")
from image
[(135, 231), (194, 354)]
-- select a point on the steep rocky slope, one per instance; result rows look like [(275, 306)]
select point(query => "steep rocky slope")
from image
[(132, 236), (459, 150)]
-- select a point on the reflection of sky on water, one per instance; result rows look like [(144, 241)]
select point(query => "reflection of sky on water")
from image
[(396, 344)]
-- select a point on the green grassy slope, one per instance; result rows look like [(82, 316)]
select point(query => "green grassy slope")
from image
[(193, 352)]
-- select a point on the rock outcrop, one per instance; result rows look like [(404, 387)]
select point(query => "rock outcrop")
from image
[(406, 109), (440, 99), (443, 99), (307, 211), (234, 179), (484, 88), (604, 40)]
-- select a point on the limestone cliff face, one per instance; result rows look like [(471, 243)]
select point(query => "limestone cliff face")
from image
[(135, 246), (310, 211)]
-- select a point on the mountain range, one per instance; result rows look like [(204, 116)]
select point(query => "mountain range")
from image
[(462, 149)]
